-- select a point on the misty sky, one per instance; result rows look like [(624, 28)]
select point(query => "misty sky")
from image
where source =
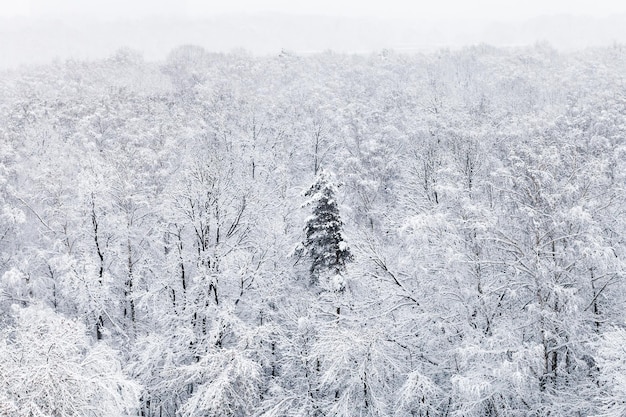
[(45, 30), (420, 9)]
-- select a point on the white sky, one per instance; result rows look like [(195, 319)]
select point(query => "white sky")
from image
[(416, 9)]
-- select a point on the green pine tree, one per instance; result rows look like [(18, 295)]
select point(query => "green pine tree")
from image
[(324, 244)]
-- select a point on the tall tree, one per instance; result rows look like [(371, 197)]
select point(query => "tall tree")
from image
[(324, 245)]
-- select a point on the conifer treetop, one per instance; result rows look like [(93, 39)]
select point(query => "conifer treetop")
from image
[(324, 244)]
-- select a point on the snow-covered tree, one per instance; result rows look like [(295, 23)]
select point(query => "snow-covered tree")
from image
[(49, 366), (324, 245)]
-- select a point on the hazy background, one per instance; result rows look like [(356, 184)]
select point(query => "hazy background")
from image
[(38, 31)]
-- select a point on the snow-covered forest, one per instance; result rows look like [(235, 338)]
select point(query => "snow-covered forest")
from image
[(315, 235)]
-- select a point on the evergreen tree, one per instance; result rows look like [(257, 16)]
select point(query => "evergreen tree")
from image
[(324, 244)]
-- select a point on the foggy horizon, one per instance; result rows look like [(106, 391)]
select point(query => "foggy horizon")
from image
[(26, 40), (38, 31)]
